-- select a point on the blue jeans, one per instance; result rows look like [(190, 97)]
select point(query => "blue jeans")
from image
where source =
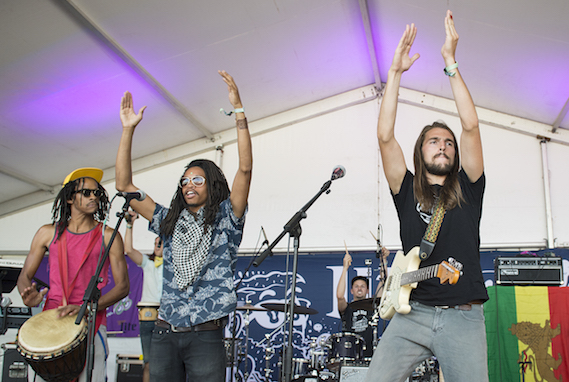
[(456, 337), (199, 355), (146, 329)]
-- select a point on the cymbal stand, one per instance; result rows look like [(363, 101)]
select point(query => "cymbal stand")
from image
[(368, 264), (269, 349), (374, 322), (246, 323), (269, 352)]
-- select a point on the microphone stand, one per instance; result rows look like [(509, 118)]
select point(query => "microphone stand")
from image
[(92, 295), (232, 360), (381, 284), (294, 230)]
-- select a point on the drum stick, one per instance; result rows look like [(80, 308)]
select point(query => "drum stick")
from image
[(372, 235), (345, 246)]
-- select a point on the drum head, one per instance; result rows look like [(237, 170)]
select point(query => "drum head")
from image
[(46, 332), (141, 304)]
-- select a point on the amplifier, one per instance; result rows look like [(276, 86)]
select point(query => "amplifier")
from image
[(528, 271), (353, 373)]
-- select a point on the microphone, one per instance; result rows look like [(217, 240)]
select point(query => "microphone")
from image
[(137, 195), (266, 242), (339, 172)]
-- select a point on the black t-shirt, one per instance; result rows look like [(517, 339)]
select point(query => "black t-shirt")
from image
[(458, 237), (357, 321)]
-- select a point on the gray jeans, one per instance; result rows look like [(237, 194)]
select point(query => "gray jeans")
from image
[(456, 337)]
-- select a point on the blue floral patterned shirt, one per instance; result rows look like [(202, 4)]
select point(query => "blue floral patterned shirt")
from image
[(212, 294)]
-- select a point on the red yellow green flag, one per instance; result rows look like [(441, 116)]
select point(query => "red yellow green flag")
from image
[(527, 330)]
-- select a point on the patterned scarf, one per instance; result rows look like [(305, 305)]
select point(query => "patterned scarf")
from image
[(190, 247)]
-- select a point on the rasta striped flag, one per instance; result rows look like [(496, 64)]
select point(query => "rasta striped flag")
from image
[(527, 330)]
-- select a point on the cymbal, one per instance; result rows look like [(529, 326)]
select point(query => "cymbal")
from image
[(250, 307), (297, 308), (366, 304)]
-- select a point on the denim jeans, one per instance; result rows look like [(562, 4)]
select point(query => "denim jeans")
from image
[(146, 329), (198, 355), (456, 337)]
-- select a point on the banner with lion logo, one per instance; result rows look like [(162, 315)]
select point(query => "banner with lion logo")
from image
[(527, 329)]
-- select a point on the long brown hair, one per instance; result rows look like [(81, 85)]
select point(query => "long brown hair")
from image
[(451, 193)]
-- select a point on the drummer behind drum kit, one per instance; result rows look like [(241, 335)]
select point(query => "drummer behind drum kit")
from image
[(339, 359)]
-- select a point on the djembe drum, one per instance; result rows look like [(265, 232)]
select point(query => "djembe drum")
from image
[(54, 347)]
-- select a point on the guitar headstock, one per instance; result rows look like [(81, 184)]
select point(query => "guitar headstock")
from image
[(448, 273), (455, 263)]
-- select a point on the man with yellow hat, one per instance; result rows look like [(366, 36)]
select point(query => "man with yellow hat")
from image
[(75, 242)]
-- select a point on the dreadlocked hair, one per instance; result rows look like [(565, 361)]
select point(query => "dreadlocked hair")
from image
[(61, 210), (451, 193), (217, 192)]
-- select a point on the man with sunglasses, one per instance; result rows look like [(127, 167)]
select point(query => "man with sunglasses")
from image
[(152, 268), (75, 238), (201, 232)]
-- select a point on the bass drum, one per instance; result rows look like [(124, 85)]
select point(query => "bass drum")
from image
[(344, 348)]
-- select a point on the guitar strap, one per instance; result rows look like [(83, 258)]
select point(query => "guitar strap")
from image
[(430, 238)]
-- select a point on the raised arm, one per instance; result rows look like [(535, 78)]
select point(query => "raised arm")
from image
[(27, 288), (470, 143), (123, 166), (129, 250), (242, 181), (391, 154), (341, 289)]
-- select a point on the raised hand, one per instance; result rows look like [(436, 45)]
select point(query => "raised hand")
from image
[(347, 260), (449, 48), (402, 60), (234, 97), (128, 117), (31, 297)]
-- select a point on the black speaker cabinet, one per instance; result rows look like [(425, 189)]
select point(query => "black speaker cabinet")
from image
[(129, 368), (15, 368)]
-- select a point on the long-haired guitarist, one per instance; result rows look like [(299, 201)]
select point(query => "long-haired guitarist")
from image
[(445, 321)]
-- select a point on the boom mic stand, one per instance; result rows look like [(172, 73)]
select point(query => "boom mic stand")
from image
[(92, 294), (294, 230)]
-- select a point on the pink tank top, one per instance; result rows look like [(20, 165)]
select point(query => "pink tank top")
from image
[(73, 261)]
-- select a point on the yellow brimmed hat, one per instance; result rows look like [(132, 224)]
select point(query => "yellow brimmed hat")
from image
[(85, 172)]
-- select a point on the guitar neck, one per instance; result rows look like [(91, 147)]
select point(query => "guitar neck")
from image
[(419, 275)]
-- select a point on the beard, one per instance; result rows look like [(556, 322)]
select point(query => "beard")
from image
[(439, 169)]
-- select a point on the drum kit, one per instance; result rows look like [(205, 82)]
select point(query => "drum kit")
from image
[(326, 356)]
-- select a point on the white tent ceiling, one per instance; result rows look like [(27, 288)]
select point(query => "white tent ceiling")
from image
[(64, 66)]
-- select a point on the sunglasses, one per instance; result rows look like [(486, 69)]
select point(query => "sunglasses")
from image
[(87, 192), (197, 181)]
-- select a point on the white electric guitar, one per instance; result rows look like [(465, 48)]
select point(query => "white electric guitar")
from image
[(404, 276)]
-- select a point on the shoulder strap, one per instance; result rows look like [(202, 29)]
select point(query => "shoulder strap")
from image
[(432, 232)]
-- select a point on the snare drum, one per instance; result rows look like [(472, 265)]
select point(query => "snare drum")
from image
[(147, 311), (54, 347), (343, 348)]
